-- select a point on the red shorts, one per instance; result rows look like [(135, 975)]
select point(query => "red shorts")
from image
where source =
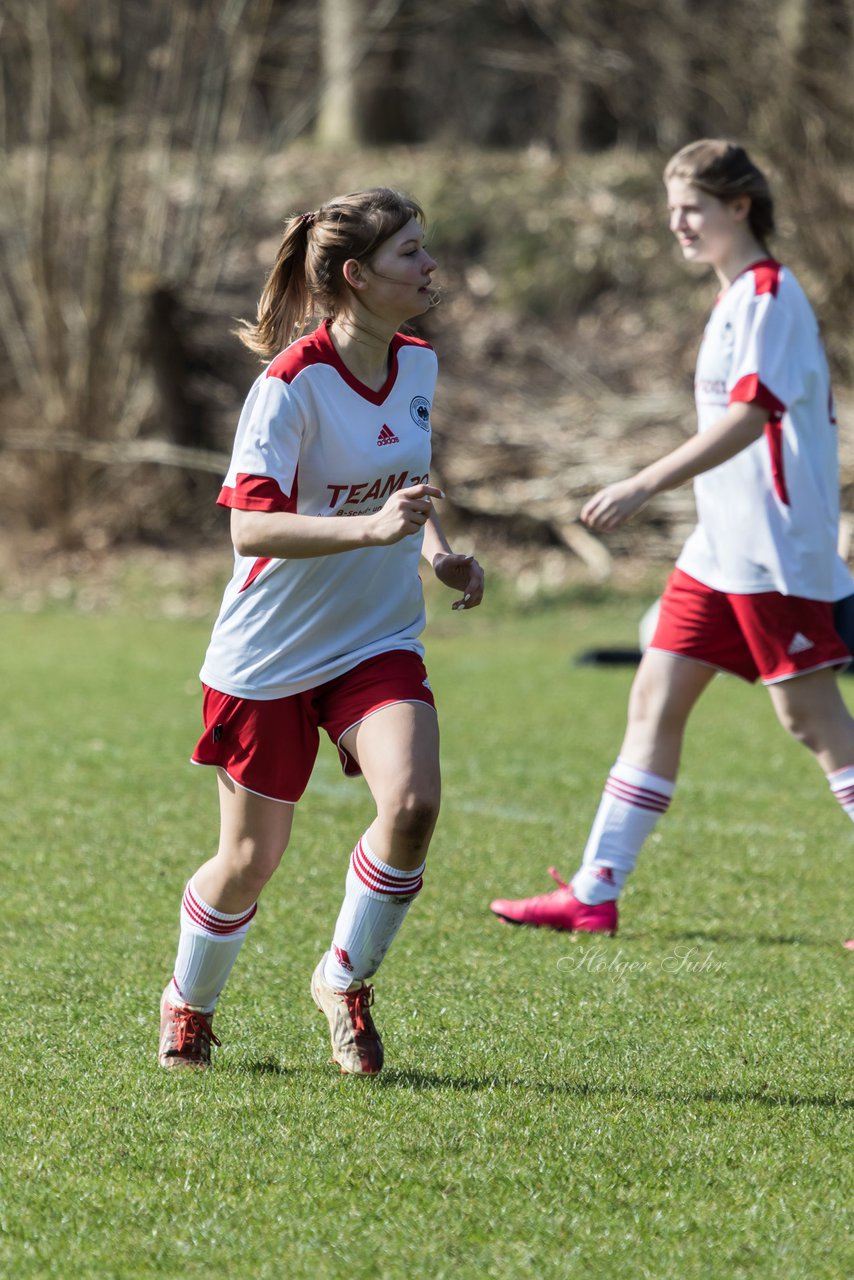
[(768, 636), (270, 747)]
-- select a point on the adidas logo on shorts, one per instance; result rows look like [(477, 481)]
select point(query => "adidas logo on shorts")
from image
[(799, 644)]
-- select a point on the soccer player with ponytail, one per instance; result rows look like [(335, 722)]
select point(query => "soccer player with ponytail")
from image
[(331, 510), (753, 590)]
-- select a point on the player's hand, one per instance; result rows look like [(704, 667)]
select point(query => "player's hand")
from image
[(406, 512), (613, 505), (460, 573)]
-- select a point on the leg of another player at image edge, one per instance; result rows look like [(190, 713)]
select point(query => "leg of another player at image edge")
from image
[(376, 900), (842, 785)]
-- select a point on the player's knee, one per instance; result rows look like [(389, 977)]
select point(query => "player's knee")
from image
[(652, 711), (251, 863), (803, 727), (415, 817)]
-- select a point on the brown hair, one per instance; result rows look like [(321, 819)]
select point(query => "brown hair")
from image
[(307, 277), (724, 170)]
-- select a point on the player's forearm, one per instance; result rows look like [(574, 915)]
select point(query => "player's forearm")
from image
[(282, 535), (739, 427), (435, 543)]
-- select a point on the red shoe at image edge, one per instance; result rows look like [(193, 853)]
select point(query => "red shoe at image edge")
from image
[(559, 909)]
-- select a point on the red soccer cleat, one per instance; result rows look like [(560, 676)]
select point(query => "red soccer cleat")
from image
[(356, 1044), (185, 1036), (559, 909)]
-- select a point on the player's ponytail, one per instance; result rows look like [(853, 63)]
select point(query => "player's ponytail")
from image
[(283, 308), (307, 280), (724, 170)]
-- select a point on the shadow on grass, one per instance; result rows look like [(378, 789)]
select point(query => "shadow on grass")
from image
[(422, 1081), (266, 1067)]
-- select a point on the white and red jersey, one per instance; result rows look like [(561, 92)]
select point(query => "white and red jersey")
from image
[(315, 441), (768, 518)]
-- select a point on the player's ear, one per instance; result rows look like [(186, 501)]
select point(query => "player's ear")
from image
[(741, 208), (354, 273)]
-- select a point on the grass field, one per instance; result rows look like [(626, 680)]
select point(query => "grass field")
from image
[(672, 1103)]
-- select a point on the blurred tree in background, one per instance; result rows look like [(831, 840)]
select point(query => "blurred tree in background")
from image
[(151, 149)]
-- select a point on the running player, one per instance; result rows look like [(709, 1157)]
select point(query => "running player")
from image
[(753, 589), (319, 626)]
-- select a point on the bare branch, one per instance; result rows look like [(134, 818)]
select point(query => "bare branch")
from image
[(125, 453)]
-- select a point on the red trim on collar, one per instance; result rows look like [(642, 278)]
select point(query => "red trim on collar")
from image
[(318, 348)]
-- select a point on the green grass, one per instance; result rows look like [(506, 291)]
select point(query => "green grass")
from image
[(669, 1103)]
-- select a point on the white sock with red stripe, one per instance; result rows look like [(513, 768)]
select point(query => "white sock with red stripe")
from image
[(632, 802), (207, 948), (376, 900), (842, 785)]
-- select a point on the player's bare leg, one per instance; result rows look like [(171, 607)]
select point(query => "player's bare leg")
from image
[(217, 909), (638, 791), (811, 708), (664, 693), (397, 749), (398, 752), (254, 833)]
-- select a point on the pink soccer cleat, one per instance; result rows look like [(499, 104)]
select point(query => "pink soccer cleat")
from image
[(559, 909)]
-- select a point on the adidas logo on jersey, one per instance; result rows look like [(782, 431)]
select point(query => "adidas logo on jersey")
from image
[(387, 436), (799, 644)]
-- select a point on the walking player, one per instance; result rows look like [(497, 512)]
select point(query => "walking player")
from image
[(753, 589)]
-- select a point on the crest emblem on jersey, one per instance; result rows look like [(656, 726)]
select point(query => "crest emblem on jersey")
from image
[(727, 342), (420, 410)]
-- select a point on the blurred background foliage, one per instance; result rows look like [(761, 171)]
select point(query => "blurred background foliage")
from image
[(153, 148)]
